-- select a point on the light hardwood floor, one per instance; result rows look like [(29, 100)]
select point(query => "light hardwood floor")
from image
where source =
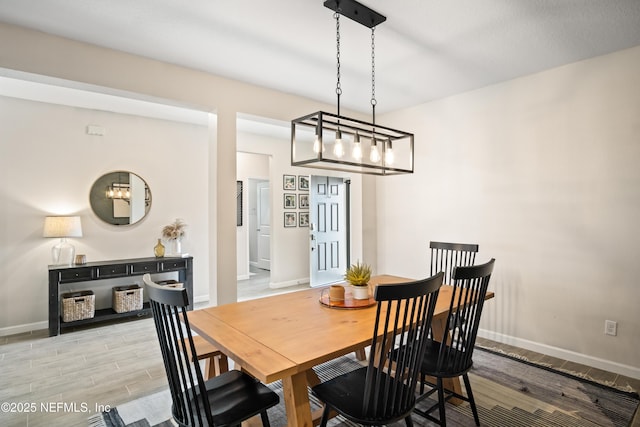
[(61, 381), (257, 285)]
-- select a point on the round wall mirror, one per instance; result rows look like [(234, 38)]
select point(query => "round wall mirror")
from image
[(120, 198)]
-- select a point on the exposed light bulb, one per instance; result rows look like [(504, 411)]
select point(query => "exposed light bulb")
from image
[(338, 148), (110, 192), (388, 154), (374, 155), (317, 145), (357, 148), (127, 194)]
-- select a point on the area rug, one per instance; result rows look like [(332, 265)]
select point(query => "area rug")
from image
[(508, 392)]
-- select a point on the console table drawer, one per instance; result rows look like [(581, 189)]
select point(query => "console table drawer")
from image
[(75, 274), (116, 270), (146, 267), (173, 265)]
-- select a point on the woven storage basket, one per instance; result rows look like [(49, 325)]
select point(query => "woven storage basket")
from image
[(171, 284), (78, 305), (127, 298)]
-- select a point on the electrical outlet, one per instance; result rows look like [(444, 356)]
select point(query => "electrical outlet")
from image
[(610, 327)]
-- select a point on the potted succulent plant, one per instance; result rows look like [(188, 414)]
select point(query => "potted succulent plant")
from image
[(358, 276)]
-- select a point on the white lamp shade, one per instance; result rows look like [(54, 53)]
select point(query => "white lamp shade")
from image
[(62, 226)]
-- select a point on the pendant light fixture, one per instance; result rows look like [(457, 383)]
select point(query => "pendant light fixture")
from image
[(119, 190), (332, 141)]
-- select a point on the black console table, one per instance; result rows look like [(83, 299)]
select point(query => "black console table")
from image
[(109, 270)]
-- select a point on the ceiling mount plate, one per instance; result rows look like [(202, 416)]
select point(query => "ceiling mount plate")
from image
[(356, 11)]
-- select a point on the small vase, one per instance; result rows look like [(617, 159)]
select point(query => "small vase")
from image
[(336, 293), (158, 249), (177, 247), (360, 292)]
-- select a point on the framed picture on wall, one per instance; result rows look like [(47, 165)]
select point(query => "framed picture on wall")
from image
[(303, 183), (289, 201), (288, 182), (303, 201), (304, 219), (289, 219)]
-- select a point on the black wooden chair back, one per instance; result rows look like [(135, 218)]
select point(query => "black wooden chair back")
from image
[(453, 356), (446, 256), (186, 383), (384, 391), (225, 400), (470, 289)]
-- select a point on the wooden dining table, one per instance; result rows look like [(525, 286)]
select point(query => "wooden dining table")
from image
[(282, 337)]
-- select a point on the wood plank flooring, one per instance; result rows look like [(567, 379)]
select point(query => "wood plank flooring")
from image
[(62, 380), (257, 286)]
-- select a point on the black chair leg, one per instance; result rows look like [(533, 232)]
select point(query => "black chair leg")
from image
[(325, 416), (472, 401), (441, 402), (409, 421), (265, 419)]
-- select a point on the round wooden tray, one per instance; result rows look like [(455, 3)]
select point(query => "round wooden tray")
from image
[(347, 303)]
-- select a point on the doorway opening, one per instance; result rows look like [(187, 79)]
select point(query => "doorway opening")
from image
[(259, 224), (254, 236)]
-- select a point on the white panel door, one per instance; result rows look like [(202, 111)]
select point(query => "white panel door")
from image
[(328, 230)]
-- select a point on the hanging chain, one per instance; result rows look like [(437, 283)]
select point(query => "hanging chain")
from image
[(338, 87), (373, 74)]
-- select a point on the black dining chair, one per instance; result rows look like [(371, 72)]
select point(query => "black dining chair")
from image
[(384, 391), (224, 400), (446, 256), (452, 357)]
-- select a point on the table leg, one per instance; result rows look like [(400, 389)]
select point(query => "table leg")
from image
[(312, 378), (438, 327), (296, 400), (361, 354)]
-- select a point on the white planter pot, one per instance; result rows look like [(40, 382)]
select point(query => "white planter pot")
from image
[(360, 292)]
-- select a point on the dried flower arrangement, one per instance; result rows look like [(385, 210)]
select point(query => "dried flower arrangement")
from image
[(174, 231)]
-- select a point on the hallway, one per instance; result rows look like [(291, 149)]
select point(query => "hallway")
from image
[(257, 286)]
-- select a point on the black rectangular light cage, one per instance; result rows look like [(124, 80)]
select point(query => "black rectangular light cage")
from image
[(366, 148)]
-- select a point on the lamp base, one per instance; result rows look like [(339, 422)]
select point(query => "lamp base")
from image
[(63, 253)]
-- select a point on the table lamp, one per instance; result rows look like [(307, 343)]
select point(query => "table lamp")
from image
[(62, 226)]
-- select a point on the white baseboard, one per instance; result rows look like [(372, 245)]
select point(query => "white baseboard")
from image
[(277, 285), (243, 277), (201, 298), (20, 329), (595, 362)]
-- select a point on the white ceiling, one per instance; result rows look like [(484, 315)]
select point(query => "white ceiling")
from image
[(427, 49)]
